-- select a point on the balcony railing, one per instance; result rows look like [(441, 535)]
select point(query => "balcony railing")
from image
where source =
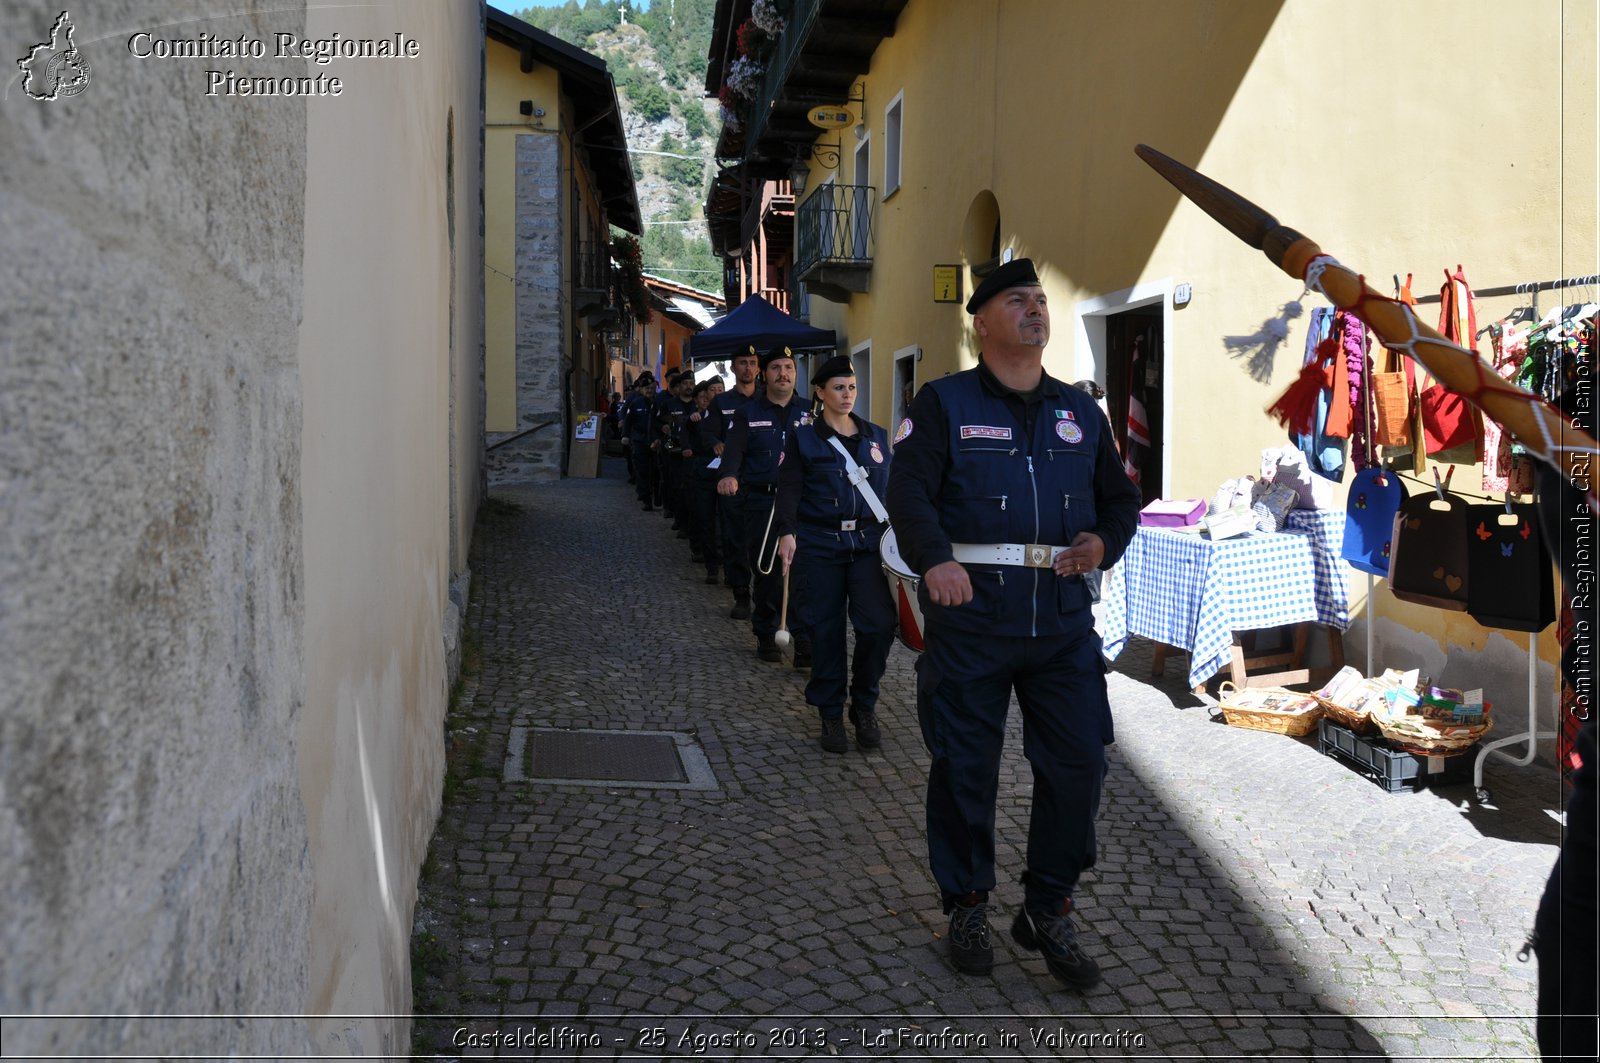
[(833, 227), (591, 265), (778, 297)]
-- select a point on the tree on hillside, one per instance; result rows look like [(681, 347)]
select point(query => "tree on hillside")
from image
[(650, 102)]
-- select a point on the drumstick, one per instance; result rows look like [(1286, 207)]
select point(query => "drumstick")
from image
[(784, 640)]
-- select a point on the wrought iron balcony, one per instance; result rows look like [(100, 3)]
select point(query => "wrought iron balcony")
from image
[(833, 240)]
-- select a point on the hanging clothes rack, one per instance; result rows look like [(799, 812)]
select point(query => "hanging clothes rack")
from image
[(1532, 288)]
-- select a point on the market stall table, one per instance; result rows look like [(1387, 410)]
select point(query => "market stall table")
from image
[(1185, 591)]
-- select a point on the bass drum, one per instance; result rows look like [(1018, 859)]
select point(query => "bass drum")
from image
[(903, 585)]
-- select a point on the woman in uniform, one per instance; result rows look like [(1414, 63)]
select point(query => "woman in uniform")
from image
[(829, 517)]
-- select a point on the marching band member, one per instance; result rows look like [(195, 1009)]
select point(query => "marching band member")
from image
[(1007, 488), (830, 518)]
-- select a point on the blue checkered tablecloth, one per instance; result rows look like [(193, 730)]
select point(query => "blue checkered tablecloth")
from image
[(1193, 593)]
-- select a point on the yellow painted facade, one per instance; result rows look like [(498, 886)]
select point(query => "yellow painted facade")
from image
[(506, 87), (1404, 138)]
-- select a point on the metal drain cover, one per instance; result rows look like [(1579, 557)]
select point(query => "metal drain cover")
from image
[(611, 756), (655, 759)]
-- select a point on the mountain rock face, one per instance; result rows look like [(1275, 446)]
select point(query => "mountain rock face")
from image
[(657, 59)]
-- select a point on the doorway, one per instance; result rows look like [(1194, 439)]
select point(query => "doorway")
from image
[(905, 386), (1134, 383)]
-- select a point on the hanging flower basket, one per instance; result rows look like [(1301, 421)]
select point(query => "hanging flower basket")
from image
[(764, 13), (744, 76)]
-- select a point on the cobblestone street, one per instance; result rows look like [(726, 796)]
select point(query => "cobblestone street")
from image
[(1252, 897)]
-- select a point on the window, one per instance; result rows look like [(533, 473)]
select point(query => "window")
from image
[(891, 145)]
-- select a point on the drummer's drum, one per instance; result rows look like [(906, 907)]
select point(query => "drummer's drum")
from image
[(903, 589)]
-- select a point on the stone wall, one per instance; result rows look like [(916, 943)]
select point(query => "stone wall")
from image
[(151, 586), (541, 316), (239, 348)]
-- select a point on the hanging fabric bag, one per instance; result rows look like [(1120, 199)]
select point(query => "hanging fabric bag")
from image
[(1428, 555), (1508, 568), (1448, 420), (1375, 496), (1393, 392)]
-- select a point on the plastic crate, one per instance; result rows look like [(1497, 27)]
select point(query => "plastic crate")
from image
[(1392, 769)]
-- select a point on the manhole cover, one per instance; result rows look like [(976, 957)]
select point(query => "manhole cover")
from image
[(610, 756), (660, 759)]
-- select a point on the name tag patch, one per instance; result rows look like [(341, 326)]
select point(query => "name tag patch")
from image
[(760, 424), (983, 431)]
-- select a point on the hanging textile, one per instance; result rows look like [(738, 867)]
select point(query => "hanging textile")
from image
[(1508, 568), (1324, 454), (1448, 420), (1428, 562), (1506, 465)]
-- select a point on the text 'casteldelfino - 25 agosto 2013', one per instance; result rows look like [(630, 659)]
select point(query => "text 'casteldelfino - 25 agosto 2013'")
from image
[(288, 46)]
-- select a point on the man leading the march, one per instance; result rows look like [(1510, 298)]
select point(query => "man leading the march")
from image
[(1007, 489)]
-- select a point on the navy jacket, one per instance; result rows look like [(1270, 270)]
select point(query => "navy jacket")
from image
[(756, 440), (975, 464), (725, 406), (815, 494)]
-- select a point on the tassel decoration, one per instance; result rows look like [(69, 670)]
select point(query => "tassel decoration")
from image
[(1296, 408)]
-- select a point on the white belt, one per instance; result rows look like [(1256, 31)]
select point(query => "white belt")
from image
[(1023, 555)]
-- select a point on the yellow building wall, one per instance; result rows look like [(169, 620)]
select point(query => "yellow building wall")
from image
[(1366, 125), (505, 87)]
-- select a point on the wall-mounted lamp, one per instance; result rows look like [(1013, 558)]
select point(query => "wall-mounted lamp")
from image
[(827, 154)]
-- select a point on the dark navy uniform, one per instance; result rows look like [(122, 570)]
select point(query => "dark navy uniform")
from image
[(671, 412), (636, 428), (699, 437), (730, 513), (836, 560), (750, 455), (978, 463)]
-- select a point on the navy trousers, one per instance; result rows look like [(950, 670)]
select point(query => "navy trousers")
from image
[(839, 585), (760, 549), (731, 518), (964, 686)]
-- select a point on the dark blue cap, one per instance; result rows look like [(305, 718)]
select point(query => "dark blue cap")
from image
[(1017, 272)]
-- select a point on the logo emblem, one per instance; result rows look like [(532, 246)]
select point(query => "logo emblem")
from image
[(904, 431), (877, 455), (55, 68), (1069, 431), (1038, 555)]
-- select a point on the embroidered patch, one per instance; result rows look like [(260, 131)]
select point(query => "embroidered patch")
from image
[(904, 431), (781, 453), (1065, 415), (760, 424), (1069, 431), (877, 455), (805, 418), (983, 431)]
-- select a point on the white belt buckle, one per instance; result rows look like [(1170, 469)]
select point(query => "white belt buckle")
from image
[(847, 525), (1037, 555)]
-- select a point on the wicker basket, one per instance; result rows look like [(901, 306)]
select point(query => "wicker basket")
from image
[(1285, 712), (1359, 721), (1413, 734)]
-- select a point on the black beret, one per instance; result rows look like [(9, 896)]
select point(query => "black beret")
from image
[(749, 351), (838, 365), (643, 379), (1018, 271), (780, 351)]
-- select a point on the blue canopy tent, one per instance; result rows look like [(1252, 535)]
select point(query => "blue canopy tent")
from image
[(759, 322)]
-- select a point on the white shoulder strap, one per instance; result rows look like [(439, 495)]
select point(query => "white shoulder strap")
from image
[(858, 476)]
